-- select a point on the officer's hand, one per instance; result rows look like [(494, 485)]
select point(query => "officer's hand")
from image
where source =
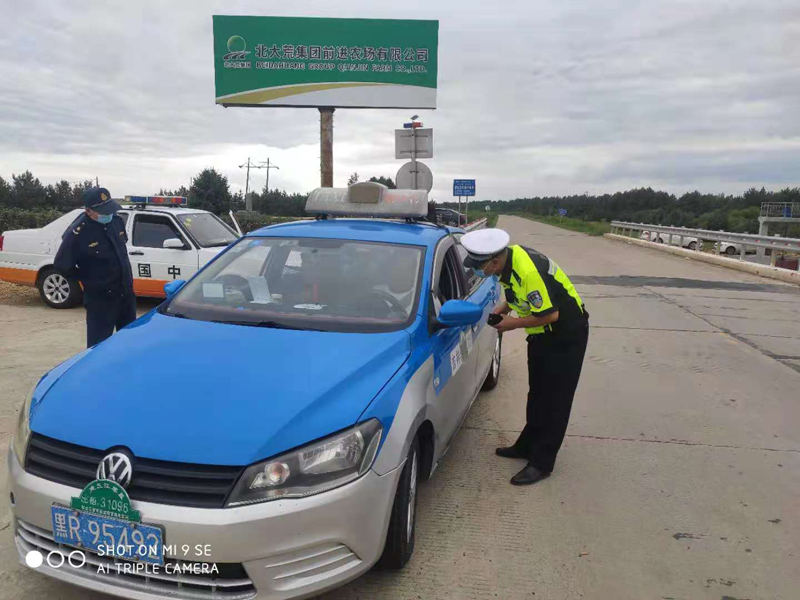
[(507, 324)]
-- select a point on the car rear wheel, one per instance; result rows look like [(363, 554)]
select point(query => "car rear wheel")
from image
[(58, 291), (494, 371), (402, 523), (692, 246)]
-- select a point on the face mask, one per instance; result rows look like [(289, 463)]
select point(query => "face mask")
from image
[(480, 273), (104, 219)]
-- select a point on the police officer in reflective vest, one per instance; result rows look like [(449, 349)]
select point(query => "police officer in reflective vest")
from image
[(555, 319), (93, 251)]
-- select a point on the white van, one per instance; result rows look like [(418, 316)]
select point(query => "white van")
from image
[(165, 243)]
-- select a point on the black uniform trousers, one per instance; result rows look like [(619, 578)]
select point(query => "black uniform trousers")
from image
[(554, 368), (106, 310)]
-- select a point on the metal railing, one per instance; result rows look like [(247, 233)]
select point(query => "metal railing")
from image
[(479, 224), (788, 210), (744, 240)]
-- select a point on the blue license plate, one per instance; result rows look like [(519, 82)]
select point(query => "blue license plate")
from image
[(108, 537)]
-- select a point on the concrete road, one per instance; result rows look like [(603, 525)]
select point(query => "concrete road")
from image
[(679, 478)]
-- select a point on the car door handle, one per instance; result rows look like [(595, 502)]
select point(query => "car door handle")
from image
[(136, 253)]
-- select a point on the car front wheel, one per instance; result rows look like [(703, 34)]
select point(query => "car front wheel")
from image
[(58, 291), (402, 523), (494, 371), (730, 250), (692, 245)]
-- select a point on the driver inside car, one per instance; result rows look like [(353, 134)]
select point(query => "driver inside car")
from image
[(402, 272)]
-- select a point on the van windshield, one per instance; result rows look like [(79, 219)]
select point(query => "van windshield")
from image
[(207, 230)]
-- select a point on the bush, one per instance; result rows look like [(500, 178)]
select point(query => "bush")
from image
[(17, 218)]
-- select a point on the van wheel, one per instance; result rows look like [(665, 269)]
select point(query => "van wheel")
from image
[(402, 523), (494, 371), (57, 291)]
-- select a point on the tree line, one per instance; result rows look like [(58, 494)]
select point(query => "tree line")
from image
[(735, 213), (210, 190)]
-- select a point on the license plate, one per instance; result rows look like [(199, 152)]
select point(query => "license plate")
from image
[(107, 536)]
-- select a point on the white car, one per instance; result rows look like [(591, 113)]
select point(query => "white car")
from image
[(729, 248), (165, 243), (674, 240)]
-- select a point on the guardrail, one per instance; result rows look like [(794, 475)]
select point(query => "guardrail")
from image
[(744, 240), (479, 224)]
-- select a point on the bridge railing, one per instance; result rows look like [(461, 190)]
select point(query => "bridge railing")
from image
[(479, 224), (789, 210), (745, 240)]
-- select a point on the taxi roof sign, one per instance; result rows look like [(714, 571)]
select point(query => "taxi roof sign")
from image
[(158, 200), (368, 199)]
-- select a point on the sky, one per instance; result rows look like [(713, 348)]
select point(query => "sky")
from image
[(534, 98)]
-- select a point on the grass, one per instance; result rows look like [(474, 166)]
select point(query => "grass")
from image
[(587, 227)]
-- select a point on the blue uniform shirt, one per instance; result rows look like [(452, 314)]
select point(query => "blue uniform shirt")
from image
[(96, 255)]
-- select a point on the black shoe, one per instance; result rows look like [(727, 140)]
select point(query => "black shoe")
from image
[(529, 475), (508, 452)]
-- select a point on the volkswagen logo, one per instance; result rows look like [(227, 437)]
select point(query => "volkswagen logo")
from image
[(116, 467)]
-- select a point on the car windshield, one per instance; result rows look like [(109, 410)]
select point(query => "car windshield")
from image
[(299, 283), (207, 230)]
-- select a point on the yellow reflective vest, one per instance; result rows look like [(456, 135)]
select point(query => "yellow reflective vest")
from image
[(535, 285)]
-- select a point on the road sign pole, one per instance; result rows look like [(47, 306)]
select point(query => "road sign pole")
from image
[(414, 154), (466, 210)]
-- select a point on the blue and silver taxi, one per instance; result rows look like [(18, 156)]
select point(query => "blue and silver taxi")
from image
[(261, 433)]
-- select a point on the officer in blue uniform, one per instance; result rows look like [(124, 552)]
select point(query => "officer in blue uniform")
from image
[(93, 251), (553, 315)]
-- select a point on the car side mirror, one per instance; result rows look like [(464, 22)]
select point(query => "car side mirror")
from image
[(173, 244), (458, 313), (171, 288)]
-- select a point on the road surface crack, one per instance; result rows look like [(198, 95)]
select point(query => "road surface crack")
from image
[(613, 438)]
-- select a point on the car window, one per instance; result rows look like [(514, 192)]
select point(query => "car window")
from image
[(473, 281), (207, 230), (150, 231), (328, 284), (448, 287)]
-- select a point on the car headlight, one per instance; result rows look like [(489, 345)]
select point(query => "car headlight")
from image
[(23, 431), (317, 467)]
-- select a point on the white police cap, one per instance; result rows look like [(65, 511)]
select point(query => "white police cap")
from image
[(483, 245)]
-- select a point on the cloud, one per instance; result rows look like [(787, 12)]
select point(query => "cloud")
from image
[(551, 98)]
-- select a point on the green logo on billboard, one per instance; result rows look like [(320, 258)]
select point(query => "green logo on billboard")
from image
[(106, 499), (236, 48)]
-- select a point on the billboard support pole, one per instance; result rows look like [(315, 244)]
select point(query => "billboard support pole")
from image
[(326, 146)]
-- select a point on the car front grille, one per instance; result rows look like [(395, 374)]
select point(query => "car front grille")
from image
[(229, 583), (161, 482)]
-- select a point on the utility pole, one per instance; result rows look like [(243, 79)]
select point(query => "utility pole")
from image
[(248, 201), (268, 167)]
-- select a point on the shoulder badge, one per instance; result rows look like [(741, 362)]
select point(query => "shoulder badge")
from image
[(535, 298)]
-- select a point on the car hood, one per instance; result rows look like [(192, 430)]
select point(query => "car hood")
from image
[(190, 391)]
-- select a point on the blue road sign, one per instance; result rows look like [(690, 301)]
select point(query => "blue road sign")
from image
[(562, 212), (463, 187)]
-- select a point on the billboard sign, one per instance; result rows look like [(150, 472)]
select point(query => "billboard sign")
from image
[(463, 187), (316, 62)]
